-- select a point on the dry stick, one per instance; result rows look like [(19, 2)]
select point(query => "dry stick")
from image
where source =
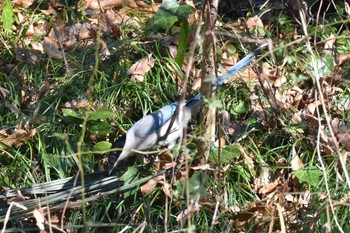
[(59, 39), (267, 94), (84, 124), (140, 228), (325, 209), (215, 62), (182, 97), (339, 14), (166, 207), (280, 215), (128, 226), (68, 198), (328, 225), (272, 223), (7, 217), (207, 64), (322, 164), (187, 74), (191, 59), (319, 90), (215, 215)]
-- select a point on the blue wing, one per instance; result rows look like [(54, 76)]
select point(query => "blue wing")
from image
[(153, 121)]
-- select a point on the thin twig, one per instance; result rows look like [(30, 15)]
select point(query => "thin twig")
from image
[(7, 216), (68, 198), (319, 93), (59, 39), (280, 215)]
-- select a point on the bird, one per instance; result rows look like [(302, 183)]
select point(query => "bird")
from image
[(153, 128)]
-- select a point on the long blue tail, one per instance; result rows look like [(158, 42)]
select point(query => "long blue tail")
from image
[(239, 66)]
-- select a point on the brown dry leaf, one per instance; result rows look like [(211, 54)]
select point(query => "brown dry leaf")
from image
[(269, 72), (16, 138), (280, 81), (164, 159), (96, 5), (51, 50), (4, 92), (166, 189), (172, 51), (28, 56), (311, 109), (20, 196), (296, 118), (329, 45), (54, 219), (269, 188), (31, 132), (342, 58), (77, 104), (37, 46), (290, 198), (296, 162), (324, 135), (254, 22), (202, 167), (193, 208), (140, 68), (196, 84), (150, 185), (61, 31), (13, 108), (23, 3), (305, 199), (30, 31), (169, 165), (112, 20), (256, 208), (49, 11), (342, 133), (227, 62), (72, 34), (40, 220), (84, 32), (3, 133)]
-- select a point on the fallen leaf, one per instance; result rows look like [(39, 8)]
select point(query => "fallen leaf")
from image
[(164, 159), (296, 118), (202, 167), (150, 185), (329, 45), (166, 189), (193, 208), (97, 5), (83, 103), (140, 68), (342, 58), (23, 3), (269, 188), (51, 50), (20, 196), (4, 92), (254, 22), (16, 138), (296, 163), (40, 220)]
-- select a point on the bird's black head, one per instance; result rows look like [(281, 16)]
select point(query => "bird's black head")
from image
[(114, 155)]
